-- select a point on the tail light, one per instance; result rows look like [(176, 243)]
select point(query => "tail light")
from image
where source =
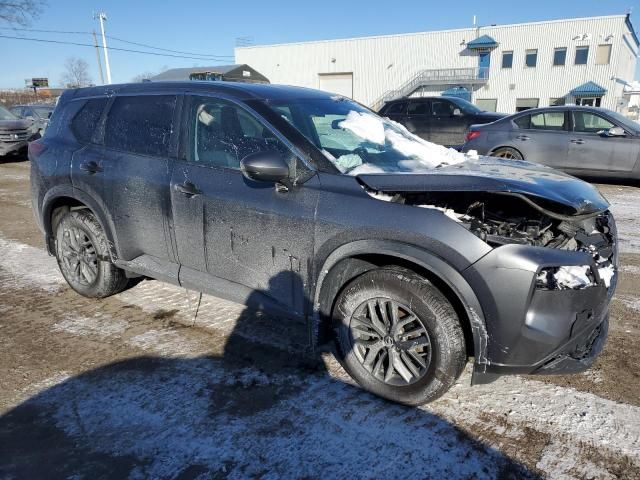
[(472, 134), (36, 148)]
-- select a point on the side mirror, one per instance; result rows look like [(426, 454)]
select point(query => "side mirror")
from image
[(30, 118), (265, 167), (457, 112), (616, 132)]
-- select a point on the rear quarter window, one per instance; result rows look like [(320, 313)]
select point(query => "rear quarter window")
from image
[(84, 122), (141, 124)]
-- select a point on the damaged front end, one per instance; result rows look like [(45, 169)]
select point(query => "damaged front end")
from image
[(546, 285)]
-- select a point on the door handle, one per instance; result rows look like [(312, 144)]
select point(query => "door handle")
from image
[(90, 167), (188, 189), (577, 141), (522, 137)]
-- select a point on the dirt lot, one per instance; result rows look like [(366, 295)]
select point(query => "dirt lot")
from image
[(137, 386)]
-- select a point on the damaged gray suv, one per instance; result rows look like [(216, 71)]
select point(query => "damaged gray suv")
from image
[(412, 258)]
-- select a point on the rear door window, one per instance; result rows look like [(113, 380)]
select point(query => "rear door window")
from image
[(84, 122), (142, 124), (418, 108), (548, 121)]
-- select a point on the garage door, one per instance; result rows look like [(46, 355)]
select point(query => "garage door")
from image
[(340, 83)]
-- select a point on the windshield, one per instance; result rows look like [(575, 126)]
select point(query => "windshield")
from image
[(6, 114), (624, 121), (465, 106), (43, 112), (357, 140)]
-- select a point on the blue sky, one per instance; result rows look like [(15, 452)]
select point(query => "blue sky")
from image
[(211, 27)]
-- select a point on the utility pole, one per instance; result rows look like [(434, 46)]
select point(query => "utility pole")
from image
[(95, 44), (102, 17)]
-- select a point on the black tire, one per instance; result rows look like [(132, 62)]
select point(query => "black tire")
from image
[(83, 256), (508, 153), (442, 348)]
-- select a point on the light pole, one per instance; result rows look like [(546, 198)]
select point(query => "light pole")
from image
[(102, 17)]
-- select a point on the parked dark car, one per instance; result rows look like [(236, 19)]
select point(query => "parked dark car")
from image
[(260, 194), (15, 133), (441, 120), (38, 113), (587, 141)]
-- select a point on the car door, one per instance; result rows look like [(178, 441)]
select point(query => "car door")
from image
[(590, 148), (244, 240), (446, 128), (418, 119), (129, 173), (542, 137)]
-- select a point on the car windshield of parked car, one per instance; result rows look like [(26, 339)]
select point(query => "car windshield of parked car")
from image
[(624, 122), (43, 112), (465, 106), (356, 140), (6, 114)]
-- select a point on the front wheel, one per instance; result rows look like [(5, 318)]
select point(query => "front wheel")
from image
[(83, 256), (398, 336)]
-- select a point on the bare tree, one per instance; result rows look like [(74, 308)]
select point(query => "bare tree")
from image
[(20, 12), (76, 73)]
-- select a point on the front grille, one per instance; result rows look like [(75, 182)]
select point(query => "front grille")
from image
[(14, 135)]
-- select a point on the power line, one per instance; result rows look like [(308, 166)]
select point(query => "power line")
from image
[(61, 42), (119, 40)]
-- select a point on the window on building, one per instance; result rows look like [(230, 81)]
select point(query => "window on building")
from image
[(531, 58), (418, 108), (548, 121), (487, 104), (523, 104), (603, 54), (590, 122), (507, 59), (149, 116), (559, 56), (556, 102), (582, 54), (85, 121)]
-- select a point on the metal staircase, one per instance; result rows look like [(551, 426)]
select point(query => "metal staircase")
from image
[(441, 76)]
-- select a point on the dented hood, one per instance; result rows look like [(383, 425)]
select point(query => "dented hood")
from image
[(488, 174)]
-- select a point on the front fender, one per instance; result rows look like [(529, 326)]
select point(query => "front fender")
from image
[(423, 259)]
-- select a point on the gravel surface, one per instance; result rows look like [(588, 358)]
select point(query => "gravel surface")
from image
[(138, 386)]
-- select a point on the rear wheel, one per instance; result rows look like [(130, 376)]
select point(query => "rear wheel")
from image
[(83, 256), (398, 336), (507, 152)]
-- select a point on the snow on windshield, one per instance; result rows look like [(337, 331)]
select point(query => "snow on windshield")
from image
[(415, 153)]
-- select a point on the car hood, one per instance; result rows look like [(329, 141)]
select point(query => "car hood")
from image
[(14, 124), (489, 174)]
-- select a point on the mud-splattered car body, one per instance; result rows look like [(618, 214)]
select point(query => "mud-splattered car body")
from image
[(525, 254)]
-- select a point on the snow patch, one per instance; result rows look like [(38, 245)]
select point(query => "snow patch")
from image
[(573, 277), (28, 265), (99, 325), (364, 125)]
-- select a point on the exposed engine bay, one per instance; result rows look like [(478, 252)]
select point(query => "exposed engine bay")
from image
[(505, 218)]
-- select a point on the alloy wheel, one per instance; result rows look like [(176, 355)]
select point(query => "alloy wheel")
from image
[(390, 341), (79, 257)]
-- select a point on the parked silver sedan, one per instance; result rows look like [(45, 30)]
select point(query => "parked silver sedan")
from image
[(585, 141)]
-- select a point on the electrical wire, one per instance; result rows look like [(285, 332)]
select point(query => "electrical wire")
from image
[(191, 54), (62, 42)]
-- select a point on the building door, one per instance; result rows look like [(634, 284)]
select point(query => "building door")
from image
[(484, 61), (340, 83)]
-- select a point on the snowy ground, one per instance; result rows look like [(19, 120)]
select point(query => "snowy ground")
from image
[(135, 386)]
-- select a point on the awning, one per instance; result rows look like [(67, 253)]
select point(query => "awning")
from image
[(485, 41), (589, 89)]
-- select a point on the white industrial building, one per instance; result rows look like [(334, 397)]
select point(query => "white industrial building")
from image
[(499, 67)]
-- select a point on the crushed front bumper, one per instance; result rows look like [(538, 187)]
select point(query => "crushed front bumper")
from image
[(10, 147), (530, 330)]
